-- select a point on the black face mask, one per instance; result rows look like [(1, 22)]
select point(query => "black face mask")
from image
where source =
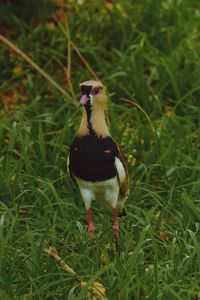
[(86, 90)]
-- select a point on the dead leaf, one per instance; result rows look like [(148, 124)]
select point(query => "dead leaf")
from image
[(163, 221), (8, 99), (22, 212), (17, 70), (109, 5), (96, 292), (164, 236), (168, 111)]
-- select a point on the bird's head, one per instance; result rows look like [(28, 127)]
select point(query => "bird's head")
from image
[(92, 93)]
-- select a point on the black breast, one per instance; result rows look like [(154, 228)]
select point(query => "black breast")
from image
[(92, 158)]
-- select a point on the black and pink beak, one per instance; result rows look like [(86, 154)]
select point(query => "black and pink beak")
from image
[(85, 97)]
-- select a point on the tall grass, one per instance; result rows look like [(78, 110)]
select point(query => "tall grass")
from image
[(147, 52)]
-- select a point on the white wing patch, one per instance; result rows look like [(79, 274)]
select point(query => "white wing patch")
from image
[(120, 170)]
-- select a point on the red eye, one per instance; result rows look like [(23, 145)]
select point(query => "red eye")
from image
[(95, 91)]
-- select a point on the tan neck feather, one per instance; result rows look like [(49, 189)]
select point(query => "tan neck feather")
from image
[(83, 129), (97, 120)]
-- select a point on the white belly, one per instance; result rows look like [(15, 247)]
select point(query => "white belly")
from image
[(107, 191)]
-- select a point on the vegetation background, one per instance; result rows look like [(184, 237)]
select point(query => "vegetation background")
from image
[(146, 52)]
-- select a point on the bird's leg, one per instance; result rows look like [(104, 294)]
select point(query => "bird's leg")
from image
[(116, 228), (115, 224), (91, 229)]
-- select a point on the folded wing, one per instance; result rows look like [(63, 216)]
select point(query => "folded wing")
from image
[(122, 173)]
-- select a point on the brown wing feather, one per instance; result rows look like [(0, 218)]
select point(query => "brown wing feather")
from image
[(124, 188)]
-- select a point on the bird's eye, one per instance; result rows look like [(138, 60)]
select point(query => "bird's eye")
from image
[(95, 91)]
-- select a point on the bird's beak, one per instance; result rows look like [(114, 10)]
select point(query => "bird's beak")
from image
[(84, 99)]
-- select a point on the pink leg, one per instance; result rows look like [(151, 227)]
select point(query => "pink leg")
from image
[(115, 225), (91, 229)]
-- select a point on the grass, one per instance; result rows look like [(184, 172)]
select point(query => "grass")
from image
[(149, 53)]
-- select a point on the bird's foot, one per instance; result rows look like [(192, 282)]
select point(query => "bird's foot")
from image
[(115, 224)]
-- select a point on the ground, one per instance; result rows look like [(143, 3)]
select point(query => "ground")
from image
[(147, 54)]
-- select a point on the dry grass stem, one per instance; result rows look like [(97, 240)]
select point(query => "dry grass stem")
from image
[(76, 49), (8, 43), (96, 292)]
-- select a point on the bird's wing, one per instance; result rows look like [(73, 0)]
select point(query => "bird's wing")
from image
[(69, 171), (122, 173)]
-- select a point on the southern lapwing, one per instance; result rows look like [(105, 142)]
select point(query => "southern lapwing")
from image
[(96, 161)]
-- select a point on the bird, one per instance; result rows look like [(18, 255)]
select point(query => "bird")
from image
[(96, 161)]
